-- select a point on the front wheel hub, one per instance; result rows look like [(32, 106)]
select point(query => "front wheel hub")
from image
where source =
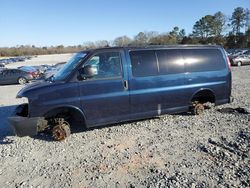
[(61, 130)]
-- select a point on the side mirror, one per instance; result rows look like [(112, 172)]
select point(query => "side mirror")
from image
[(88, 71)]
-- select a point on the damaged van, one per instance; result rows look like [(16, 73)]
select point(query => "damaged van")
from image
[(111, 85)]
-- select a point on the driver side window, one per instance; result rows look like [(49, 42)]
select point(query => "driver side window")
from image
[(107, 65)]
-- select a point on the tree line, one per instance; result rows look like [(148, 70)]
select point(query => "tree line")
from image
[(229, 31)]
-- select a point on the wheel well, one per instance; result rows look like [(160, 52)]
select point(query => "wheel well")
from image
[(204, 96), (68, 113)]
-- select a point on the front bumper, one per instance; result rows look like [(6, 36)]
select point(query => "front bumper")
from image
[(25, 126), (231, 99)]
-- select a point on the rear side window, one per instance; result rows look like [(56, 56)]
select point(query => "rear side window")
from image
[(143, 63), (170, 61), (9, 72), (198, 60), (16, 71)]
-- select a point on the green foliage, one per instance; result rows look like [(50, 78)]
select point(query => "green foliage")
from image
[(219, 22), (238, 19), (204, 27), (210, 26)]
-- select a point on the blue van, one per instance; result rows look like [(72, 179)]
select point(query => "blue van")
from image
[(111, 85)]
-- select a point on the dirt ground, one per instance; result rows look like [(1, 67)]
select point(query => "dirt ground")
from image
[(211, 150)]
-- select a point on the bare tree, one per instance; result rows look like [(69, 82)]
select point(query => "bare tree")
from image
[(122, 41), (102, 43)]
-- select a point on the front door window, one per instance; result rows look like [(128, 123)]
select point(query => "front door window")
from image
[(107, 64)]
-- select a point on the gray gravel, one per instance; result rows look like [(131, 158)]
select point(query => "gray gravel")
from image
[(211, 150)]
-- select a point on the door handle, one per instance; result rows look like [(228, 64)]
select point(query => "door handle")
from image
[(125, 84)]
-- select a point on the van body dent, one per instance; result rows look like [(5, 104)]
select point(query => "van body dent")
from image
[(111, 85)]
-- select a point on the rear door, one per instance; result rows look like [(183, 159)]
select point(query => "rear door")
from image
[(143, 83), (172, 79), (105, 97), (13, 76), (157, 77)]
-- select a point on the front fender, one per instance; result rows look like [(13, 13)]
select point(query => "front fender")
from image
[(69, 108)]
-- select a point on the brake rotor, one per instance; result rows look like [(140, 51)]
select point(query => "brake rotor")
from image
[(61, 130), (199, 109)]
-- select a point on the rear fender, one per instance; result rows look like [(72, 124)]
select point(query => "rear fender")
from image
[(200, 91)]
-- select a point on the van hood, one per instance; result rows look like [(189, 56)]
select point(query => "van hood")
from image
[(33, 88)]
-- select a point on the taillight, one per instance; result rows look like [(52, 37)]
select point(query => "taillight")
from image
[(31, 74), (228, 62)]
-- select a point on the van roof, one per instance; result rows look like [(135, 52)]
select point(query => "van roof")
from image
[(155, 47)]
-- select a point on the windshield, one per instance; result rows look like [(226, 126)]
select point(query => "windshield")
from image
[(69, 66)]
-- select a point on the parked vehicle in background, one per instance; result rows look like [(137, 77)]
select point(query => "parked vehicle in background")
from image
[(14, 59), (241, 60), (52, 70), (5, 61), (31, 70), (111, 85), (13, 76), (42, 68), (237, 52), (2, 65), (21, 58)]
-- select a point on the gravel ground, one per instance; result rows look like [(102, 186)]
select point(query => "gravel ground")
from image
[(211, 150)]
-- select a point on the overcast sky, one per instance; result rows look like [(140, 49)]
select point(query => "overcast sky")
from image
[(73, 22)]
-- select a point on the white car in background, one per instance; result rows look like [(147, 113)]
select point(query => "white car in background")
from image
[(241, 60)]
